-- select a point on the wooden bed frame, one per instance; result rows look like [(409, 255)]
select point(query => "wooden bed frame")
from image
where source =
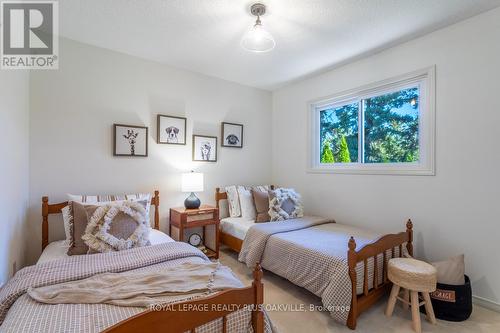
[(175, 319), (359, 303), (48, 209), (230, 241)]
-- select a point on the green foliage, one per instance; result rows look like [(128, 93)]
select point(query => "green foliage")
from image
[(391, 137), (327, 154), (391, 131), (344, 156)]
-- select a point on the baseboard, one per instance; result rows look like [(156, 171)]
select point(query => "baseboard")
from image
[(486, 303)]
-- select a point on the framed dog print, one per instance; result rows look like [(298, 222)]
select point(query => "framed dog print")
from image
[(130, 140), (171, 130), (204, 148), (232, 135)]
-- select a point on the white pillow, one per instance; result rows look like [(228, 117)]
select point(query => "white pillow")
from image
[(233, 201), (247, 205)]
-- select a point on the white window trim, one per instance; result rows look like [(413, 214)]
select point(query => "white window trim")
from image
[(427, 127)]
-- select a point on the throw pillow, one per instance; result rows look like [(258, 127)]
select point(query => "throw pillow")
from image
[(261, 200), (117, 227), (451, 271), (233, 201), (81, 215), (284, 204), (247, 205)]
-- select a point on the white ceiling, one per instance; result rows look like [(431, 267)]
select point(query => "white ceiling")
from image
[(204, 35)]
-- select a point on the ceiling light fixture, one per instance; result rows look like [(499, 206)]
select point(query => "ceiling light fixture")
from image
[(257, 39)]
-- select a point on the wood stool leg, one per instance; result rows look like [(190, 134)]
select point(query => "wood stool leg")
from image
[(428, 308), (415, 313), (392, 300), (406, 297)]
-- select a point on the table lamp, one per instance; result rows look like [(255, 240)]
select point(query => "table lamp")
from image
[(192, 182)]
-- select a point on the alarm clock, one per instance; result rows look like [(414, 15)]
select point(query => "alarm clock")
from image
[(195, 240)]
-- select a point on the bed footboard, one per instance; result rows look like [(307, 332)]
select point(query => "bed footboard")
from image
[(175, 319), (370, 295)]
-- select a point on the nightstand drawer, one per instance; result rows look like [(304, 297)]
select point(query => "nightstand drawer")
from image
[(200, 216)]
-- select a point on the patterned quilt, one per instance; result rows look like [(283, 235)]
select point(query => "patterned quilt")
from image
[(20, 313), (311, 252)]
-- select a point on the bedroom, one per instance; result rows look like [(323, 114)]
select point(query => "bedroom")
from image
[(125, 63)]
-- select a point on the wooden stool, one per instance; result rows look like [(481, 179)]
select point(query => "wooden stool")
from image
[(415, 277)]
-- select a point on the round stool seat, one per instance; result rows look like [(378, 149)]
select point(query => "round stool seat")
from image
[(412, 274)]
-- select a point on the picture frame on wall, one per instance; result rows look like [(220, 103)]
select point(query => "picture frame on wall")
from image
[(130, 140), (232, 135), (171, 130), (204, 148)]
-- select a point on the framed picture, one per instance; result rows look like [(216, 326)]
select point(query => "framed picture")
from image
[(204, 148), (232, 135), (171, 130), (130, 140)]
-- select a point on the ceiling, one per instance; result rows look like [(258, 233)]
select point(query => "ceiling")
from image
[(204, 35)]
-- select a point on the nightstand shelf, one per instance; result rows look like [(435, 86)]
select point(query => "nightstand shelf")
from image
[(182, 219)]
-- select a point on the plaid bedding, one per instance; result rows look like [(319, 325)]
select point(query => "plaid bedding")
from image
[(19, 313), (311, 252)]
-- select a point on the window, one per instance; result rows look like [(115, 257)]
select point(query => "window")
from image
[(383, 128)]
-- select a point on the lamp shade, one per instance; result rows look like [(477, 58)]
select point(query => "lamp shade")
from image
[(192, 182), (257, 39)]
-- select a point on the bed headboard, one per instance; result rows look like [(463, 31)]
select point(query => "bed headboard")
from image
[(48, 209), (223, 196)]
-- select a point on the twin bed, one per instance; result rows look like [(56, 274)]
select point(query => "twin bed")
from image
[(59, 293), (344, 265)]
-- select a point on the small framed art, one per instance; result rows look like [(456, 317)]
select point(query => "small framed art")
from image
[(232, 135), (171, 130), (204, 148), (130, 140)]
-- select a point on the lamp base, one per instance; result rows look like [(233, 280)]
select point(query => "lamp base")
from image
[(192, 202)]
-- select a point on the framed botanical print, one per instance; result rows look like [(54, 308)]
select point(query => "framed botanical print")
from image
[(130, 140), (232, 135), (204, 148), (171, 130)]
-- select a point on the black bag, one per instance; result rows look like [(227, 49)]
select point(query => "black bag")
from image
[(452, 303)]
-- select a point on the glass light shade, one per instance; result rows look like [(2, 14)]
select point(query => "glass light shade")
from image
[(258, 39), (192, 182)]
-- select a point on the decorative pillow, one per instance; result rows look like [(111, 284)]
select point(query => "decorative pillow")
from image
[(451, 271), (117, 227), (99, 200), (247, 206), (233, 201), (81, 215), (284, 204), (68, 221), (261, 200)]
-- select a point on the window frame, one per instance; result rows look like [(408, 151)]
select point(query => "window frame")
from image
[(425, 79)]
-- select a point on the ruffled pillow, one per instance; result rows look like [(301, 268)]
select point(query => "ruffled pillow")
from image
[(117, 227), (285, 204)]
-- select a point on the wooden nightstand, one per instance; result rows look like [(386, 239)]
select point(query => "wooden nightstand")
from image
[(183, 218)]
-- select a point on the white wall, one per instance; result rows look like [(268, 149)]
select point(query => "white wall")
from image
[(73, 110), (14, 159), (458, 209)]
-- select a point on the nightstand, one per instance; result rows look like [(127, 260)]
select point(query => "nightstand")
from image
[(182, 219)]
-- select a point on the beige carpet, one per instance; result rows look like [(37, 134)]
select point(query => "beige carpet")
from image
[(279, 291)]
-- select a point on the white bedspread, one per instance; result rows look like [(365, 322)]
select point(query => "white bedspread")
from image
[(236, 226), (58, 249)]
